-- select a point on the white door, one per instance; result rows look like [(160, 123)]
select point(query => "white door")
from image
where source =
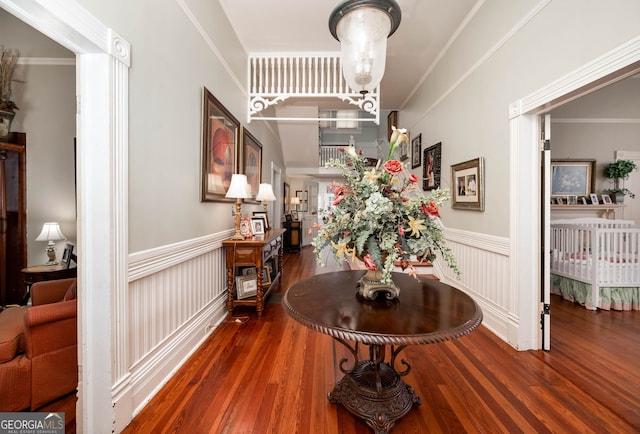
[(545, 242)]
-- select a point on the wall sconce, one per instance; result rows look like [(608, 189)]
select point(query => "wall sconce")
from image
[(362, 28), (265, 194), (51, 232), (238, 190)]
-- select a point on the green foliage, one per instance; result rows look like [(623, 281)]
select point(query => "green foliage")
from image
[(616, 171), (381, 216)]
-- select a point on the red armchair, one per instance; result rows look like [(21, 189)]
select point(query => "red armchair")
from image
[(38, 348)]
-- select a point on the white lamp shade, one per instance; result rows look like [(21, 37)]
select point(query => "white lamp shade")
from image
[(363, 34), (295, 200), (265, 193), (239, 187), (51, 232)]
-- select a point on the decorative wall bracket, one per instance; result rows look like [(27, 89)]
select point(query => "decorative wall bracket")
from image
[(276, 78)]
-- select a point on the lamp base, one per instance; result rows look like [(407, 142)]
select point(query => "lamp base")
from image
[(237, 236), (51, 254)]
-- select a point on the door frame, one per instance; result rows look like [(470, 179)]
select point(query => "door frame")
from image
[(526, 183)]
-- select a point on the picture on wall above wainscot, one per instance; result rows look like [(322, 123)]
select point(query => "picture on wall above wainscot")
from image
[(220, 143), (432, 167), (467, 180), (251, 162)]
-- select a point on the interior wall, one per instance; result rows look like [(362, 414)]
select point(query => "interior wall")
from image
[(166, 81), (597, 125), (44, 90)]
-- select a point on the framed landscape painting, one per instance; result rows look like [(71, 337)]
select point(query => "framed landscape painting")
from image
[(220, 138)]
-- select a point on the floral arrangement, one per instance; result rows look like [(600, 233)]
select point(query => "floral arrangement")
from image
[(380, 215)]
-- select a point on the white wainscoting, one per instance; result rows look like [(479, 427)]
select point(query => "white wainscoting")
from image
[(485, 272), (176, 297)]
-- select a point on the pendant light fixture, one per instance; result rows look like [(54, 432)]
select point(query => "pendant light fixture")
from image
[(362, 27)]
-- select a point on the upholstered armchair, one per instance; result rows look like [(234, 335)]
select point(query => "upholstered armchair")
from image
[(38, 347)]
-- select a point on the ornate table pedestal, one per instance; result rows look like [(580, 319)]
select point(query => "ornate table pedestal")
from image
[(425, 312), (373, 390)]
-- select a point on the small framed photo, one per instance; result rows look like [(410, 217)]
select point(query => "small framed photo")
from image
[(416, 151), (594, 199), (264, 216), (266, 275), (583, 200), (606, 199), (257, 225), (468, 179), (246, 286), (245, 227), (67, 255), (572, 200), (288, 217), (249, 271), (559, 201), (294, 215), (404, 151), (392, 121)]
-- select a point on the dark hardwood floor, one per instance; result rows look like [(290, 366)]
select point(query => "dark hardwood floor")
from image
[(273, 376)]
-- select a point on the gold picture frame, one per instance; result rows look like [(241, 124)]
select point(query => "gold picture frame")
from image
[(467, 181)]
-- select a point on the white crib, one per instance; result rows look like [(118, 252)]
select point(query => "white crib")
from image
[(601, 253)]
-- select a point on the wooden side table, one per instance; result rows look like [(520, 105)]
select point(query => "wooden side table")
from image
[(253, 252), (426, 312), (39, 273)]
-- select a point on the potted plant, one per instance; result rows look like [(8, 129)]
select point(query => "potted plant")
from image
[(616, 172), (8, 59)]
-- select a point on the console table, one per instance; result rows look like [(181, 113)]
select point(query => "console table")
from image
[(253, 252), (426, 312)]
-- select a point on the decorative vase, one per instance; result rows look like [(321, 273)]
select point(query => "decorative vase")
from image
[(371, 286), (5, 123)]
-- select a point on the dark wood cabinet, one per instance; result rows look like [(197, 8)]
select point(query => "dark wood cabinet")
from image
[(13, 220), (293, 236)]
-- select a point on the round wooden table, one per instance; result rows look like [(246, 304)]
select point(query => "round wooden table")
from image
[(426, 312)]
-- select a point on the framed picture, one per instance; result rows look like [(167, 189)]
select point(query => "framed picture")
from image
[(245, 227), (416, 151), (251, 161), (263, 215), (257, 225), (572, 177), (606, 199), (404, 151), (249, 271), (285, 200), (468, 178), (302, 195), (288, 217), (583, 200), (67, 255), (266, 275), (431, 167), (594, 199), (392, 121), (246, 286), (558, 201), (572, 200), (220, 141), (294, 215)]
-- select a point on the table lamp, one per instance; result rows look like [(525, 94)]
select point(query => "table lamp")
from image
[(238, 190), (51, 232), (295, 201), (265, 194)]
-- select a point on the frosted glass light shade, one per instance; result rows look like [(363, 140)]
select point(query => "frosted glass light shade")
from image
[(265, 193), (362, 27)]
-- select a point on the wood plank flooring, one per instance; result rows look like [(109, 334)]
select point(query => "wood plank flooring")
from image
[(273, 376)]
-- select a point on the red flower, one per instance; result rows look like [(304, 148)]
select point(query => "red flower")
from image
[(393, 167), (432, 209), (340, 191), (369, 263), (337, 200), (413, 179), (401, 230), (341, 149)]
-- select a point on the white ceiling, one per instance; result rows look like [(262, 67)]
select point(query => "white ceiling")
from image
[(426, 30)]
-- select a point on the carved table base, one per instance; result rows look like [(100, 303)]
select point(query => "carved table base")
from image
[(373, 391)]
